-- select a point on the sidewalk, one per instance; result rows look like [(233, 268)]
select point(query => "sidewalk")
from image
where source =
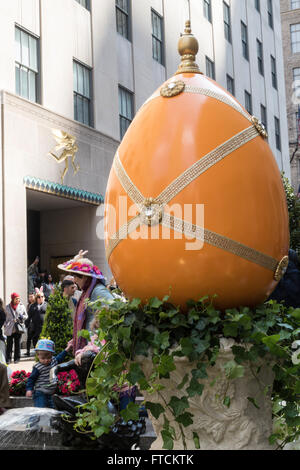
[(25, 363)]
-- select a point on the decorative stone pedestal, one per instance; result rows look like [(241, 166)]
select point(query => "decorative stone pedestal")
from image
[(241, 426)]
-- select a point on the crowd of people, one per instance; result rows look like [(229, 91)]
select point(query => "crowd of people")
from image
[(81, 280)]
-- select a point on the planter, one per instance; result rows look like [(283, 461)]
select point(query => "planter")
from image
[(240, 426)]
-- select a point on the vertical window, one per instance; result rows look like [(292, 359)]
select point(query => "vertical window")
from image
[(248, 102), (257, 5), (122, 18), (296, 82), (85, 3), (295, 38), (26, 65), (295, 4), (274, 72), (207, 10), (82, 94), (210, 68), (157, 37), (277, 133), (270, 13), (230, 84), (260, 57), (125, 110), (227, 21), (245, 47), (263, 116)]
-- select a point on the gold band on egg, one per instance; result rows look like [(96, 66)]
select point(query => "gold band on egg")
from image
[(182, 226)]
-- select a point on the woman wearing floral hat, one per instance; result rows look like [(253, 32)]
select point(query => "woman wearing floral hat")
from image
[(91, 282)]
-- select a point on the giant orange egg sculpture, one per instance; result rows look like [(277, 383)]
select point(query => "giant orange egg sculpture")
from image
[(195, 204)]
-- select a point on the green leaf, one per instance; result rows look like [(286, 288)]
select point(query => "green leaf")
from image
[(183, 382), (178, 405), (195, 388), (271, 340), (196, 440), (135, 374), (226, 401), (156, 409), (233, 370), (154, 302), (296, 313), (167, 439), (185, 418), (186, 346), (131, 412), (166, 365)]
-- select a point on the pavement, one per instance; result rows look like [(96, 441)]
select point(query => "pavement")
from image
[(26, 363)]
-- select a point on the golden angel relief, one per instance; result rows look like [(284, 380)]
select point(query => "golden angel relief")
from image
[(66, 143)]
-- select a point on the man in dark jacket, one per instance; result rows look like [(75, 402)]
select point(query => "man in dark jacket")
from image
[(288, 288), (35, 320)]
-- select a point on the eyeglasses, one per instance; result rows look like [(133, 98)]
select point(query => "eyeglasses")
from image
[(40, 297)]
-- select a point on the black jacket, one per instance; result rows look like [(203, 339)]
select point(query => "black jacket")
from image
[(36, 317), (288, 289), (2, 321)]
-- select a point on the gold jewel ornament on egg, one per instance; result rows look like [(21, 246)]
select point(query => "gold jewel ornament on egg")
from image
[(193, 145)]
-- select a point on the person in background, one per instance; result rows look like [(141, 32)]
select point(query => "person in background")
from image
[(4, 389), (35, 320), (32, 275), (40, 375), (288, 288), (48, 286), (68, 288), (15, 313), (31, 300), (2, 339)]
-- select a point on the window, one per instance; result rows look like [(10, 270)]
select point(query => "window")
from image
[(248, 102), (260, 58), (270, 14), (295, 4), (125, 110), (227, 21), (210, 68), (207, 10), (295, 38), (84, 3), (26, 65), (230, 84), (263, 116), (122, 18), (277, 133), (82, 93), (257, 5), (274, 72), (245, 47), (157, 37)]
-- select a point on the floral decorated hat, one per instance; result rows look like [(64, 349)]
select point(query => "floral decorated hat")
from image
[(81, 265)]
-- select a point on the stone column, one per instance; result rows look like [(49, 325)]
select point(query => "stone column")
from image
[(241, 426)]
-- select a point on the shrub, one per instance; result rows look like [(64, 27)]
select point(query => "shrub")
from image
[(17, 384), (58, 324)]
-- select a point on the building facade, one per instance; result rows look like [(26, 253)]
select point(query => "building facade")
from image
[(290, 18), (73, 73)]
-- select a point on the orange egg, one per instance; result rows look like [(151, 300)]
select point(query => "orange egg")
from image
[(195, 204)]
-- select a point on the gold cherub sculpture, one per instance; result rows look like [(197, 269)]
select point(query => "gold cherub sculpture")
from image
[(68, 143)]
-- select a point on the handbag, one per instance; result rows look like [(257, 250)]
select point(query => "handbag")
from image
[(20, 328)]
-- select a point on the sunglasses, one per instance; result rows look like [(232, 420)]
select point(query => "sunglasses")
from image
[(40, 297)]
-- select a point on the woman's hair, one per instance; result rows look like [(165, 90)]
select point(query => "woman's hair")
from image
[(1, 303)]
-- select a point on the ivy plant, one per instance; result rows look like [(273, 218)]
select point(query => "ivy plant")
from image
[(132, 329)]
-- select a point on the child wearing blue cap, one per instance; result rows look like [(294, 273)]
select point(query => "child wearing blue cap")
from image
[(40, 375)]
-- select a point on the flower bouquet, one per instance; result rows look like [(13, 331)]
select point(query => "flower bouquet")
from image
[(17, 384), (68, 382)]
